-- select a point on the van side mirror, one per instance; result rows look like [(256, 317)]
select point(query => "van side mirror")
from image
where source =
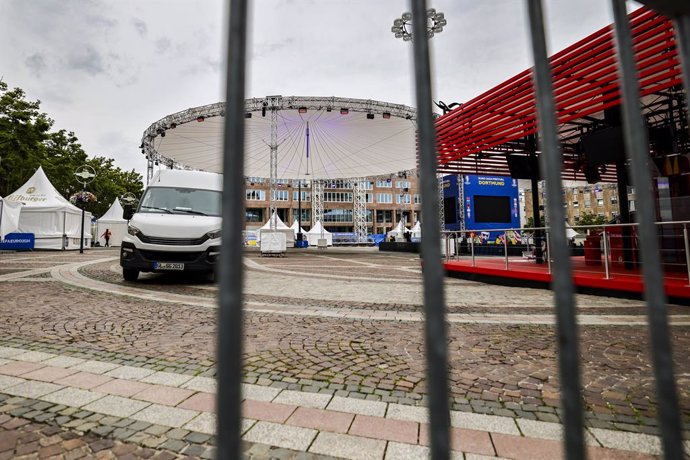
[(128, 212)]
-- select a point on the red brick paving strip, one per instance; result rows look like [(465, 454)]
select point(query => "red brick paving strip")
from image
[(471, 441), (382, 428), (322, 420), (268, 412)]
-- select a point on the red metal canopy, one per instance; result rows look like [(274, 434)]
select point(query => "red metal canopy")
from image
[(477, 136)]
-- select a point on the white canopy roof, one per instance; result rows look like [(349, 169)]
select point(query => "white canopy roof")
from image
[(39, 193), (114, 214), (9, 216), (318, 229), (399, 229), (296, 228), (348, 137), (280, 225), (417, 229)]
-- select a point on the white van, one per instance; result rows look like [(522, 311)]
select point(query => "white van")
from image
[(176, 226)]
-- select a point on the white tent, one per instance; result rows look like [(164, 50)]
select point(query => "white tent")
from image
[(317, 232), (296, 228), (398, 232), (416, 230), (280, 227), (113, 221), (9, 217), (55, 222)]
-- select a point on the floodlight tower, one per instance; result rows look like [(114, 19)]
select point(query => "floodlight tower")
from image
[(273, 103)]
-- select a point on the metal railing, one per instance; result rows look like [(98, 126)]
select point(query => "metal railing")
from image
[(230, 291), (604, 245)]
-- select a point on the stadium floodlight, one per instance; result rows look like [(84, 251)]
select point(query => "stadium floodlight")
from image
[(402, 27)]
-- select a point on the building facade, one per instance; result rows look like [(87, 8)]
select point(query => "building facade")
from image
[(599, 200), (388, 200)]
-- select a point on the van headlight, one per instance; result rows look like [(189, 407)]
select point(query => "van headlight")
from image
[(214, 234), (132, 230)]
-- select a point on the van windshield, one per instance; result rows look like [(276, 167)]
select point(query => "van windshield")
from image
[(174, 200)]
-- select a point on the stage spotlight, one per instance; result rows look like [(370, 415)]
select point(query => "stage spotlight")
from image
[(199, 119), (141, 146), (302, 110), (370, 116), (328, 109), (247, 115), (173, 125), (386, 115), (163, 133), (344, 111)]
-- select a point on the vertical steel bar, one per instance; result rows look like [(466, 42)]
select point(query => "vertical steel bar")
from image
[(505, 247), (229, 333), (548, 254), (472, 245), (637, 146), (551, 160), (682, 26), (434, 300), (605, 241), (687, 253)]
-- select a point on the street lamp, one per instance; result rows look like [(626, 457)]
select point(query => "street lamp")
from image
[(402, 27), (85, 174)]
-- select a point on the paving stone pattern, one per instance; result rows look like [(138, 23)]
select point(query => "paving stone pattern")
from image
[(501, 369)]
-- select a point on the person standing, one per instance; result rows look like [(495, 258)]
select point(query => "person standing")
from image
[(106, 234)]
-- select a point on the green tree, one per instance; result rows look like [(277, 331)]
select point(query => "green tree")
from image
[(23, 131), (589, 218), (26, 142)]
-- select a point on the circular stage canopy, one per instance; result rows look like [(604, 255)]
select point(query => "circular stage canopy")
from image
[(348, 138)]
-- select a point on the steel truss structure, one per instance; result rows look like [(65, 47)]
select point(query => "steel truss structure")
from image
[(317, 187), (359, 217)]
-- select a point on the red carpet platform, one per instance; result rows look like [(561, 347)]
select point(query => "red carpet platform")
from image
[(587, 278)]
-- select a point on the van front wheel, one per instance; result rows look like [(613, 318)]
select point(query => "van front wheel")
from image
[(130, 274)]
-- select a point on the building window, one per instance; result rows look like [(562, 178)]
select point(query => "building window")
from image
[(339, 183), (403, 199), (281, 195), (306, 215), (256, 195), (366, 185), (576, 204), (631, 205), (337, 197), (600, 202), (253, 215), (417, 199), (614, 200), (383, 216), (370, 197), (402, 184), (384, 198), (588, 200), (370, 215), (337, 215), (386, 183), (306, 196)]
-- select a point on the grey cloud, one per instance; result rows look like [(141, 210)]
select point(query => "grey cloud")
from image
[(36, 64), (264, 49), (89, 61), (140, 27), (162, 45)]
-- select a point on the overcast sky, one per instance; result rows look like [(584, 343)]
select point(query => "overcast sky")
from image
[(108, 69)]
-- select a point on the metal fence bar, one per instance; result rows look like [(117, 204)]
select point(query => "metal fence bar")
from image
[(686, 244), (605, 242), (637, 146), (682, 26), (551, 162), (229, 352), (434, 301)]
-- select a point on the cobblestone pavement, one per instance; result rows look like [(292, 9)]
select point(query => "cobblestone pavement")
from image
[(308, 347)]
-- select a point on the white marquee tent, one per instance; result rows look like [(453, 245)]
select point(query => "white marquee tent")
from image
[(55, 222), (398, 232), (416, 230), (113, 221), (296, 228), (9, 217), (317, 232), (280, 227)]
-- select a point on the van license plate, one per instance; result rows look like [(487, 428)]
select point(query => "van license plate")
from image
[(168, 266)]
